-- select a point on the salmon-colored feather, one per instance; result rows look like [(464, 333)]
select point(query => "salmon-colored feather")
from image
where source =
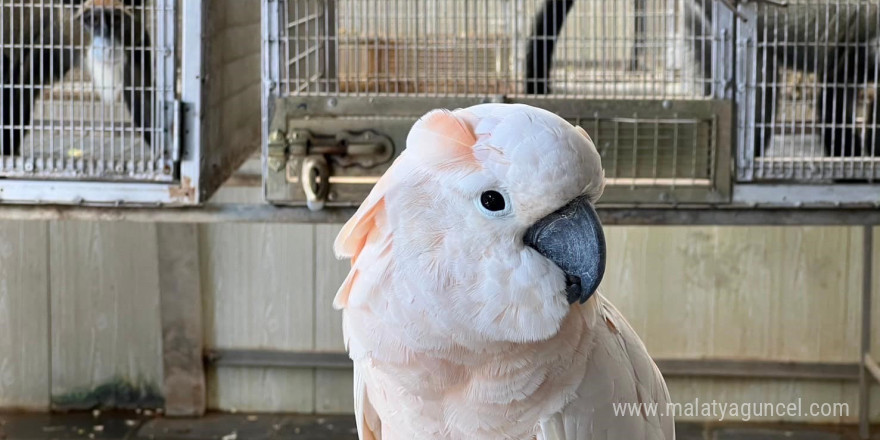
[(353, 235), (439, 136), (440, 139), (363, 230)]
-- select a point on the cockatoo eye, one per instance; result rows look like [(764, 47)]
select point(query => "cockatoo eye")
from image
[(493, 203)]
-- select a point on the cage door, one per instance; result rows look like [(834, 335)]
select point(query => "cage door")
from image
[(807, 79), (88, 90), (651, 80)]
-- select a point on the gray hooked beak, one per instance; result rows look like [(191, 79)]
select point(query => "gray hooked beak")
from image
[(572, 238)]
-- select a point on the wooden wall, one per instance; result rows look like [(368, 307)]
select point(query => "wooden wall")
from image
[(24, 317), (79, 319), (79, 315), (766, 293)]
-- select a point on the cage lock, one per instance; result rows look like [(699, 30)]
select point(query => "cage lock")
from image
[(318, 161)]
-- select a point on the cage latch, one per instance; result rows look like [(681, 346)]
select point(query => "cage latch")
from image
[(316, 161), (277, 154)]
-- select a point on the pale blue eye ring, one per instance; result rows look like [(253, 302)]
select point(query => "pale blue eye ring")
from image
[(493, 203)]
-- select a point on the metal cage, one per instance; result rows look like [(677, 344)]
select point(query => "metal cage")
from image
[(337, 69), (808, 88), (689, 101), (125, 101)]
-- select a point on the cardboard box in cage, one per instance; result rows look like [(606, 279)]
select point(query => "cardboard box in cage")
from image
[(443, 65)]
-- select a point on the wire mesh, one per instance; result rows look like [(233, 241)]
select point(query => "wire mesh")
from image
[(811, 81), (586, 49), (655, 152), (85, 89), (618, 49)]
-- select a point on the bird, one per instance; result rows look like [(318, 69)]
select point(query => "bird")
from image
[(471, 310)]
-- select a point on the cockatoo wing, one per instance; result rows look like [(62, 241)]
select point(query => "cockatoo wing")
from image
[(369, 425), (367, 240), (619, 370)]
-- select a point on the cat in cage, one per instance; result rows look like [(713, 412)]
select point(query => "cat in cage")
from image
[(836, 42), (43, 40)]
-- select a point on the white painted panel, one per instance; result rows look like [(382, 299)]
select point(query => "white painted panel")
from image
[(24, 315), (333, 392), (257, 287), (106, 331)]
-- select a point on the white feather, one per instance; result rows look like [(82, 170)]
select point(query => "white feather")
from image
[(553, 428), (620, 371), (360, 393)]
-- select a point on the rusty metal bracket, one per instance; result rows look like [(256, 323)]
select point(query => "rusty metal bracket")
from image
[(316, 161), (277, 154), (316, 180), (364, 149)]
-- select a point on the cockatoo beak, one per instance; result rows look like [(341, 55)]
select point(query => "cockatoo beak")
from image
[(573, 239)]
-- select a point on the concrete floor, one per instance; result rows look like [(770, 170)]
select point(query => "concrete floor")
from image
[(132, 426)]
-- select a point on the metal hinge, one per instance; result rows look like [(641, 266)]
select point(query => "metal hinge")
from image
[(311, 159)]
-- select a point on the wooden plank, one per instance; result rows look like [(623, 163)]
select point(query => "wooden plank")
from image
[(865, 379), (742, 392), (616, 216), (24, 315), (743, 293), (333, 392), (739, 293), (257, 285), (874, 412), (279, 359), (758, 369), (106, 337), (687, 368), (181, 308), (875, 301), (268, 390), (872, 367), (732, 293)]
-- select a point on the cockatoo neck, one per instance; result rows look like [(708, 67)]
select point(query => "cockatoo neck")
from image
[(491, 377)]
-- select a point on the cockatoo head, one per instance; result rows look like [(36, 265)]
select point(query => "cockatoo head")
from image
[(492, 232)]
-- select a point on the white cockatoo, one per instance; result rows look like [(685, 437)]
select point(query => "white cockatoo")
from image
[(469, 311)]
